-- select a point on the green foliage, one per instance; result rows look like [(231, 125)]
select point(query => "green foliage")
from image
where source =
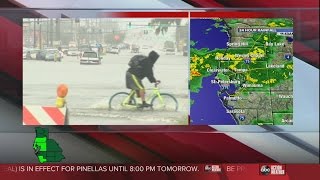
[(162, 25)]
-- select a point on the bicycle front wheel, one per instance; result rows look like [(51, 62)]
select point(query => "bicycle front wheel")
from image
[(164, 102), (120, 101)]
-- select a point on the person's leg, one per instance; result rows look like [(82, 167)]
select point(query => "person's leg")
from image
[(142, 94), (141, 90), (130, 85)]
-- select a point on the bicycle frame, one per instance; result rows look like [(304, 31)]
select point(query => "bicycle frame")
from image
[(127, 99), (155, 92)]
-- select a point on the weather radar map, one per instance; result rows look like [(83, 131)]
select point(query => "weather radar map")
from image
[(241, 71)]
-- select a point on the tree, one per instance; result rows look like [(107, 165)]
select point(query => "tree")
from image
[(162, 25)]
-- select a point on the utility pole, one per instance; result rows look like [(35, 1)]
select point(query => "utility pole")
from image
[(87, 31), (40, 36), (51, 31), (57, 29), (34, 33), (72, 30), (77, 37), (47, 21), (96, 30)]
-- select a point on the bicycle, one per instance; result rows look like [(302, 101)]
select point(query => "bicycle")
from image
[(158, 101)]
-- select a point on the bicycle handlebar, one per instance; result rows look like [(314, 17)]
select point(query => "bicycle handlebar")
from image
[(157, 83)]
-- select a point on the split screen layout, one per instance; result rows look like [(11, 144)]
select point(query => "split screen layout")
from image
[(158, 71)]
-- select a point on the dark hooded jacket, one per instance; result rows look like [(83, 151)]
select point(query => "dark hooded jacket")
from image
[(146, 69)]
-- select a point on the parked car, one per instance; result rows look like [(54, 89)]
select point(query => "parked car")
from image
[(126, 46), (84, 47), (169, 47), (135, 48), (109, 48), (41, 55), (53, 54), (30, 54), (73, 52), (72, 44), (64, 49), (90, 57), (185, 51), (115, 50)]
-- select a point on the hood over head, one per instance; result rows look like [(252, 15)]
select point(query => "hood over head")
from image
[(153, 56)]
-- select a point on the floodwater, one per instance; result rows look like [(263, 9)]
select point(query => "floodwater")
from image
[(91, 86)]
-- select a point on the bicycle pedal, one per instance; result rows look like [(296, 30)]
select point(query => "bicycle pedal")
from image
[(144, 106), (139, 108)]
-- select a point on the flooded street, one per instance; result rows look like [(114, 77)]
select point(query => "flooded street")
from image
[(91, 86)]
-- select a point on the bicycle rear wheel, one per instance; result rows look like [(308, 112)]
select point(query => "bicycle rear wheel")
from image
[(164, 102), (120, 101)]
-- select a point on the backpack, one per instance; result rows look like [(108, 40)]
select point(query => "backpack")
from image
[(136, 61)]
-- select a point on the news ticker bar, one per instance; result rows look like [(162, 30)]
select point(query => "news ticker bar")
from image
[(196, 170), (185, 14)]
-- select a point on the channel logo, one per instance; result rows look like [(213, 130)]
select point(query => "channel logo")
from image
[(265, 170), (213, 168), (272, 170)]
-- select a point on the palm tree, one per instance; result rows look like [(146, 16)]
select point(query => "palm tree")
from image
[(162, 25)]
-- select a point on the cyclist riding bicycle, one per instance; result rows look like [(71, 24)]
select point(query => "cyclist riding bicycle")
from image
[(140, 67)]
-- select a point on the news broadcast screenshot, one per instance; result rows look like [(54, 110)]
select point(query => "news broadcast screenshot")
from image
[(155, 89)]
